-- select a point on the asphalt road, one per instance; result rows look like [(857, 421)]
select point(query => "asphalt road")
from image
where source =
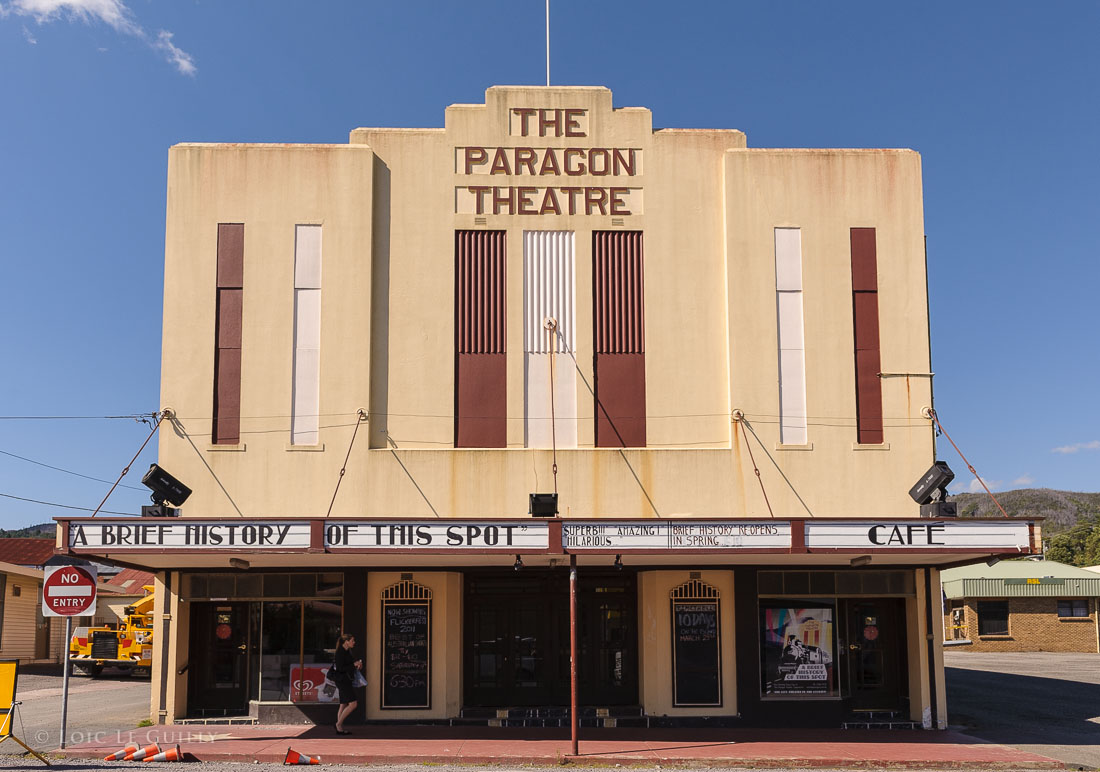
[(106, 705), (1041, 702)]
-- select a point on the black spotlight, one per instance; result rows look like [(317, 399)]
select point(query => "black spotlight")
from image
[(619, 562), (165, 487), (543, 505), (932, 486), (518, 564)]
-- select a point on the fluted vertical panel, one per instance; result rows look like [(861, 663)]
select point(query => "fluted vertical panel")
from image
[(549, 291), (619, 338), (480, 344)]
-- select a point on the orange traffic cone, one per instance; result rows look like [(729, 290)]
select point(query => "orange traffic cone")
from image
[(293, 757), (148, 750), (118, 755), (172, 754)]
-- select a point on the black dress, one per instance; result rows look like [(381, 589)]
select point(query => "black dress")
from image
[(343, 670)]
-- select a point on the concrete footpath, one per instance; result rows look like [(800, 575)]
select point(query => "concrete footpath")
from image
[(774, 748)]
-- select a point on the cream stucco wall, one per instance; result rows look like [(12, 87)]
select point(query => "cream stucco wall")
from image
[(446, 644), (655, 687), (386, 203)]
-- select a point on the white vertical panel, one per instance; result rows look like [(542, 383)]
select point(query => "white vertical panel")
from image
[(304, 419), (537, 426), (549, 290), (307, 257), (788, 258), (791, 336), (306, 383), (307, 318), (790, 320)]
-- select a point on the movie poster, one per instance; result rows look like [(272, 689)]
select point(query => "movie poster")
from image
[(797, 650)]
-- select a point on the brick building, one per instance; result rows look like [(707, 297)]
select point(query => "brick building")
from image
[(1021, 605)]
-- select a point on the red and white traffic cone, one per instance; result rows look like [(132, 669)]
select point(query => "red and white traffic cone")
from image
[(121, 754), (293, 757), (148, 750), (172, 754)]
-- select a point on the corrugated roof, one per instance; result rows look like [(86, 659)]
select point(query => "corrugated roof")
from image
[(26, 552), (1020, 579), (1016, 569), (132, 580)]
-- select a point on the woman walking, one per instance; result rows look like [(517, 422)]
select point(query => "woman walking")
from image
[(343, 672)]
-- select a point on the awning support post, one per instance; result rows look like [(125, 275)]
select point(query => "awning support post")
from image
[(574, 718)]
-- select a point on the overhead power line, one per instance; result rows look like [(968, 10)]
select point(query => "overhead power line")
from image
[(61, 506), (66, 471)]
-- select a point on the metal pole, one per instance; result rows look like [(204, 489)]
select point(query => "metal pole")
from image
[(65, 680), (547, 42), (574, 718)]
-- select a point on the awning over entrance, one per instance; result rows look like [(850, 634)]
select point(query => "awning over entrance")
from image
[(160, 544)]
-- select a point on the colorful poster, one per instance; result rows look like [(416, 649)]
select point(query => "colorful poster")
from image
[(797, 651), (307, 684)]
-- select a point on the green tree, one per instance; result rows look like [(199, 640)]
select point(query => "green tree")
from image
[(1078, 546)]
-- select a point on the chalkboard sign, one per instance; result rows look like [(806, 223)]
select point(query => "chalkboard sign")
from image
[(696, 658), (406, 653)]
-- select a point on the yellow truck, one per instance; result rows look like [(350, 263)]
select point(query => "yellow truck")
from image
[(127, 645)]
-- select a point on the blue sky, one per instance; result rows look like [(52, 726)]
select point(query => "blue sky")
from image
[(1001, 99)]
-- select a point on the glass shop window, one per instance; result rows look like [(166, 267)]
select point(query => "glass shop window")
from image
[(993, 617), (798, 649), (1073, 608)]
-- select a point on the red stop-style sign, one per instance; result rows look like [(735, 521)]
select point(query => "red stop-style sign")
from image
[(69, 591)]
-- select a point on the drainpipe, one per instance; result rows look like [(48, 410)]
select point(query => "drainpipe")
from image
[(931, 642)]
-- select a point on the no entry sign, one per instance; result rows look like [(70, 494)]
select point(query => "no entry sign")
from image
[(69, 591)]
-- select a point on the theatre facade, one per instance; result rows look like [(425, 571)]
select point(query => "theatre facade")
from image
[(548, 387)]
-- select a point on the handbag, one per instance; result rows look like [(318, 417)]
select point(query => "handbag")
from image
[(329, 687)]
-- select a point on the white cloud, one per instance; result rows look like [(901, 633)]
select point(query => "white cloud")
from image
[(1025, 479), (1067, 449), (113, 13), (183, 61), (976, 485), (29, 37)]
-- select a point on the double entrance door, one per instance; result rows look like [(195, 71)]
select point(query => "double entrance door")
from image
[(517, 638)]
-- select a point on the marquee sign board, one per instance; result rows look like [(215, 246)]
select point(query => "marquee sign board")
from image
[(927, 535), (69, 591), (141, 534), (680, 535), (484, 535)]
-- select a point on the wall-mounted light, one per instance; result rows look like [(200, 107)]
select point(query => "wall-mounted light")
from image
[(165, 487), (543, 505), (240, 563), (862, 560), (619, 562), (518, 564), (993, 560)]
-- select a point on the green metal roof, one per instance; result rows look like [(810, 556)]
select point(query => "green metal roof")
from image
[(1020, 578)]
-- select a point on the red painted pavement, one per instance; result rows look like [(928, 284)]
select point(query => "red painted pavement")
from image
[(814, 748)]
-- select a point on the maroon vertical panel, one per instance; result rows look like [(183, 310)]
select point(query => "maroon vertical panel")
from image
[(865, 322), (230, 254), (229, 312), (227, 397), (864, 260), (481, 395), (619, 332)]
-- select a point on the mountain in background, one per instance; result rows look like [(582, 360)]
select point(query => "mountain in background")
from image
[(40, 531), (1062, 509)]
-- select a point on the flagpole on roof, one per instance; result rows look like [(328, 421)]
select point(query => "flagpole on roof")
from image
[(547, 42)]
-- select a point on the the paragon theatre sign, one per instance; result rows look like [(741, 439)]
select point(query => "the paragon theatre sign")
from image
[(555, 165)]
